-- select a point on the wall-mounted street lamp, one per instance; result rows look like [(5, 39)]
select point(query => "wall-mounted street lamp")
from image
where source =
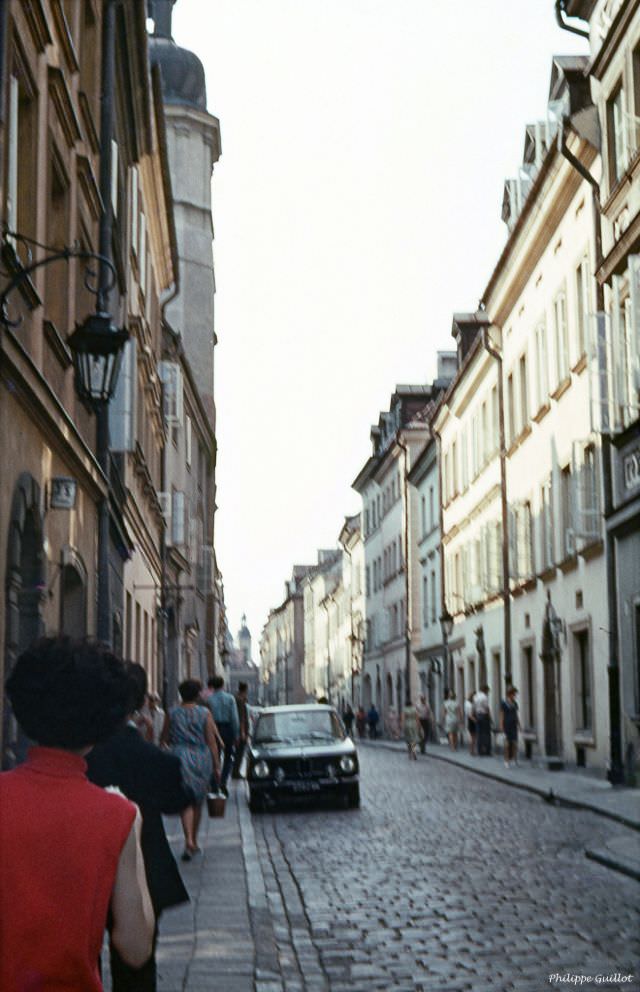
[(97, 348), (96, 345), (446, 626)]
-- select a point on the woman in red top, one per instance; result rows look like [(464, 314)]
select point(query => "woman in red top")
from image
[(69, 851)]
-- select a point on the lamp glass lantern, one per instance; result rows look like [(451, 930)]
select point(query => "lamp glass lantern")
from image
[(446, 625), (97, 348)]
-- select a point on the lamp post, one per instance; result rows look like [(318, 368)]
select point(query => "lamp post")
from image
[(446, 626)]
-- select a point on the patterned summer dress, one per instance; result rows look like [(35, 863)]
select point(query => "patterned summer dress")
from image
[(187, 739)]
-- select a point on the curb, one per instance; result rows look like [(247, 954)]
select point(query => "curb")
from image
[(545, 793), (267, 966), (604, 857)]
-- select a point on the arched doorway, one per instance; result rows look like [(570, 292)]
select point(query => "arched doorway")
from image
[(73, 595), (25, 594)]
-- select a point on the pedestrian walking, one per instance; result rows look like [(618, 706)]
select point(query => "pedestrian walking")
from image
[(243, 736), (373, 718), (510, 725), (190, 732), (70, 850), (393, 724), (152, 779), (411, 730), (470, 722), (451, 718), (361, 722), (154, 715), (425, 716), (482, 716), (224, 710), (348, 717)]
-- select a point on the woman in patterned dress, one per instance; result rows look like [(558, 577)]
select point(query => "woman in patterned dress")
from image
[(190, 732)]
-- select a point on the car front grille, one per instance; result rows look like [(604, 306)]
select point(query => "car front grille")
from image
[(305, 768)]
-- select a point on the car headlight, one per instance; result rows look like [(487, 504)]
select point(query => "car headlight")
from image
[(261, 769), (347, 765)]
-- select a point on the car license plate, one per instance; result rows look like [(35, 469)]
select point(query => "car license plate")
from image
[(305, 786)]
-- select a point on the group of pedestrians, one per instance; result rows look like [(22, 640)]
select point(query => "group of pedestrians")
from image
[(81, 833), (416, 723), (478, 722)]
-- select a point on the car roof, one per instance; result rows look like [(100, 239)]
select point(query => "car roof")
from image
[(296, 707)]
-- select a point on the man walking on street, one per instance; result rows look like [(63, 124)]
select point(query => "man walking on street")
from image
[(151, 778), (424, 716), (482, 716), (225, 714), (372, 719), (243, 737)]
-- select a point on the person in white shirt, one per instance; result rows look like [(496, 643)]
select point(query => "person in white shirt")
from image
[(482, 716), (470, 721)]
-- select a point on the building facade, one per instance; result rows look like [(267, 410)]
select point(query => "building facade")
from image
[(67, 515)]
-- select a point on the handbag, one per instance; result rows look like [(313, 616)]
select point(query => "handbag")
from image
[(216, 804)]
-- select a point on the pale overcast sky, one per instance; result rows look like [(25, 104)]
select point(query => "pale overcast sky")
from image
[(356, 206)]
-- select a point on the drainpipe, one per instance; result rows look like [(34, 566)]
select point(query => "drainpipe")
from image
[(443, 591), (561, 10), (105, 232), (405, 542), (616, 768), (506, 598)]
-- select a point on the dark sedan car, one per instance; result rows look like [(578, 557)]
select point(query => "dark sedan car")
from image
[(301, 752)]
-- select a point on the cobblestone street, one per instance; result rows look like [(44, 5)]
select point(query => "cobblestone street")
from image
[(443, 881)]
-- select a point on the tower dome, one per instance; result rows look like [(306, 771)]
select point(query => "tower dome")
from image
[(182, 71)]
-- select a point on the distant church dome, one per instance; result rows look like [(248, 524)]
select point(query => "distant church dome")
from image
[(182, 71)]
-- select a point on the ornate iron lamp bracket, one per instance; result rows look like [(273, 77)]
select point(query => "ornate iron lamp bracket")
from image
[(63, 254)]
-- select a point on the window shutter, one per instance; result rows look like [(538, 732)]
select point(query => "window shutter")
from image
[(165, 508), (12, 175)]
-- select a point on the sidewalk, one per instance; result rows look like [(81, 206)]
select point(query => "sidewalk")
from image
[(578, 788), (223, 939)]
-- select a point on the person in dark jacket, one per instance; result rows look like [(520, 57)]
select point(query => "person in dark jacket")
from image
[(152, 779)]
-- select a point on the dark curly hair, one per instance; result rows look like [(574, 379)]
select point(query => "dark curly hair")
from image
[(67, 693), (138, 685), (189, 690)]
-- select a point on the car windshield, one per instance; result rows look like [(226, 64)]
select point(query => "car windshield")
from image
[(297, 725)]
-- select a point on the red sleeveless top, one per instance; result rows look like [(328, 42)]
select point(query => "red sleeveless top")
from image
[(60, 841)]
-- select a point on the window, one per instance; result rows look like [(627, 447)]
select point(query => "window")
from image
[(368, 580), (524, 542), (485, 439), (22, 156), (423, 504), (561, 340), (582, 675), (425, 601), (618, 136), (586, 503), (170, 375), (178, 508), (433, 596), (524, 392), (568, 536), (511, 409), (454, 469), (495, 420), (542, 376), (432, 518), (546, 528), (56, 276), (187, 440), (138, 633), (583, 305)]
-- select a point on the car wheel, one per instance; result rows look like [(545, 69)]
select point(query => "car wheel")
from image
[(354, 796)]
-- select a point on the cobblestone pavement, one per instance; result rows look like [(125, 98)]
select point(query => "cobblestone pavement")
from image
[(443, 881)]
